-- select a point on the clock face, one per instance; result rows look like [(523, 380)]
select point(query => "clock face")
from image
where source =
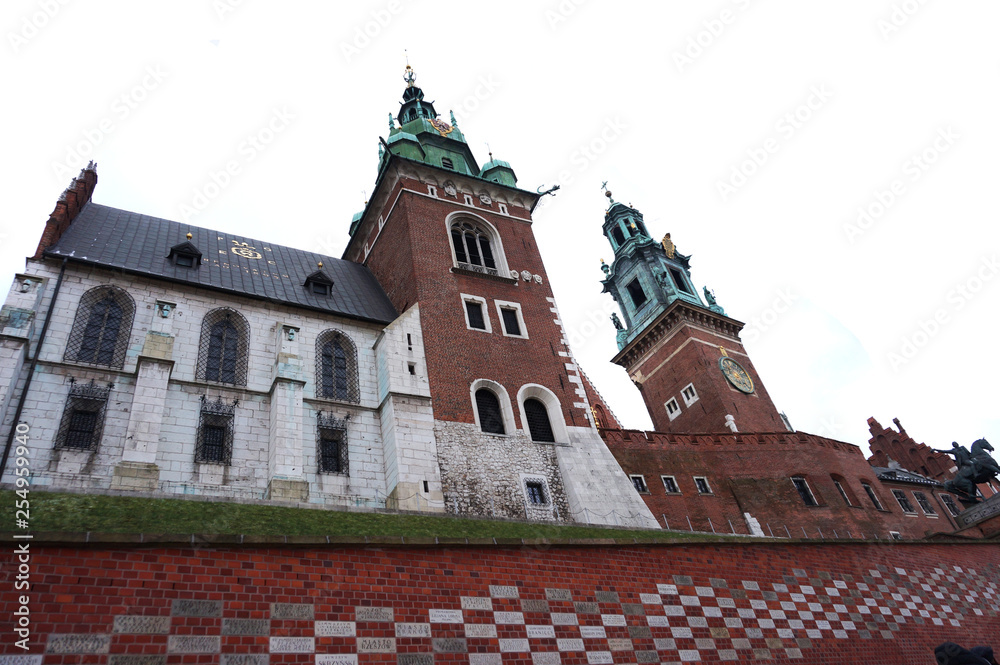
[(736, 375)]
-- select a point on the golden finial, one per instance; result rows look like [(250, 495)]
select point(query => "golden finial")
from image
[(189, 236), (668, 246), (320, 264)]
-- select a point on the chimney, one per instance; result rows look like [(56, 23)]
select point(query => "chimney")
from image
[(69, 205)]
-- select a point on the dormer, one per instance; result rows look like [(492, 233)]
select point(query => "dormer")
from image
[(319, 283), (185, 255)]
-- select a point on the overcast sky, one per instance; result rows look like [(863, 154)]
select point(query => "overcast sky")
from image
[(752, 131)]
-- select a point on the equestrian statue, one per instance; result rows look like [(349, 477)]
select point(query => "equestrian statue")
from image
[(974, 467)]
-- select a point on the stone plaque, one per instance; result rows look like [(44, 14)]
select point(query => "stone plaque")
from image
[(446, 616), (185, 607), (244, 659), (569, 644), (658, 621), (334, 629), (337, 659), (558, 594), (665, 644), (480, 630), (534, 606), (667, 589), (413, 630), (613, 619), (246, 627), (125, 659), (298, 611), (592, 632), (415, 659), (508, 617), (620, 644), (373, 614), (563, 619), (546, 658), (497, 591), (540, 632), (142, 625), (647, 657), (476, 603), (650, 598), (586, 608), (22, 660), (514, 646), (485, 659), (70, 643), (639, 632), (376, 645), (293, 644), (600, 658), (606, 597), (449, 645), (194, 644), (633, 609)]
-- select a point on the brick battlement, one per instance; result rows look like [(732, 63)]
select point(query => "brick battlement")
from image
[(630, 438)]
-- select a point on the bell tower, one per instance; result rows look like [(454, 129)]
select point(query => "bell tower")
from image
[(684, 355)]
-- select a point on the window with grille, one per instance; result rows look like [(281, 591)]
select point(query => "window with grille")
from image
[(701, 483), (949, 503), (903, 502), (336, 367), (638, 296), (490, 414), (538, 420), (102, 327), (332, 451), (871, 495), (535, 491), (222, 353), (639, 483), (215, 432), (802, 487), (473, 248), (924, 504), (83, 417), (670, 484)]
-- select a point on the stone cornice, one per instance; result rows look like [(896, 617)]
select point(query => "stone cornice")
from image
[(678, 313)]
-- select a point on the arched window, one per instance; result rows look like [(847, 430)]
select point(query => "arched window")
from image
[(336, 367), (538, 420), (222, 354), (102, 327), (618, 236), (473, 247), (490, 416), (600, 418)]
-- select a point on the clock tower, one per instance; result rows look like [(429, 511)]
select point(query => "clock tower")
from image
[(684, 355)]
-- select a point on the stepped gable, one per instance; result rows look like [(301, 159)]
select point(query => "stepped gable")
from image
[(889, 445), (140, 244)]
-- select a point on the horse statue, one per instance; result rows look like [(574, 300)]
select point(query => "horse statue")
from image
[(974, 467)]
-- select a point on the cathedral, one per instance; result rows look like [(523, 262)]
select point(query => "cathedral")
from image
[(427, 369)]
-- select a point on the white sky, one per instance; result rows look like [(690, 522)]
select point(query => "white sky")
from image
[(543, 81)]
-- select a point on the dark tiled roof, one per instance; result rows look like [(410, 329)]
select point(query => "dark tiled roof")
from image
[(902, 476), (140, 244)]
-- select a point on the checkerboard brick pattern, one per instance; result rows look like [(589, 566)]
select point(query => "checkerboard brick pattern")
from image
[(487, 606)]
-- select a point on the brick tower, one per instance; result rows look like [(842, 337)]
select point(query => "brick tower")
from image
[(452, 245), (685, 357)]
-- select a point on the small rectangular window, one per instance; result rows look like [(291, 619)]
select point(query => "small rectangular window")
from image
[(679, 280), (670, 484), (320, 289), (447, 163), (840, 488), (510, 323), (673, 408), (871, 495), (503, 208), (924, 504), (895, 535), (802, 487), (426, 487), (412, 367), (83, 416), (468, 200), (702, 484), (536, 492), (638, 296), (903, 502), (689, 394), (332, 450), (184, 260), (639, 483), (432, 190), (475, 312), (215, 432)]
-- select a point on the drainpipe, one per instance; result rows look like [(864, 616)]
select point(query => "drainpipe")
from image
[(31, 370)]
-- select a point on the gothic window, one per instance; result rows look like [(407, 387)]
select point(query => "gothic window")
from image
[(215, 432), (83, 418), (473, 248), (102, 327), (336, 367), (490, 415), (332, 453), (903, 502), (634, 289), (802, 487), (538, 420), (871, 495), (222, 353), (600, 416)]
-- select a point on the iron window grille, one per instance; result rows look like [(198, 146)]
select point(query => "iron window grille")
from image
[(102, 327), (536, 493), (490, 415), (215, 432), (336, 367), (538, 421), (83, 418), (473, 249), (222, 353), (331, 443)]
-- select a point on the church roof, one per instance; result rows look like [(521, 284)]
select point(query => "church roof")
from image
[(140, 244)]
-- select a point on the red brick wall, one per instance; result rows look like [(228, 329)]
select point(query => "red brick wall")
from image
[(713, 602), (752, 473), (72, 200)]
